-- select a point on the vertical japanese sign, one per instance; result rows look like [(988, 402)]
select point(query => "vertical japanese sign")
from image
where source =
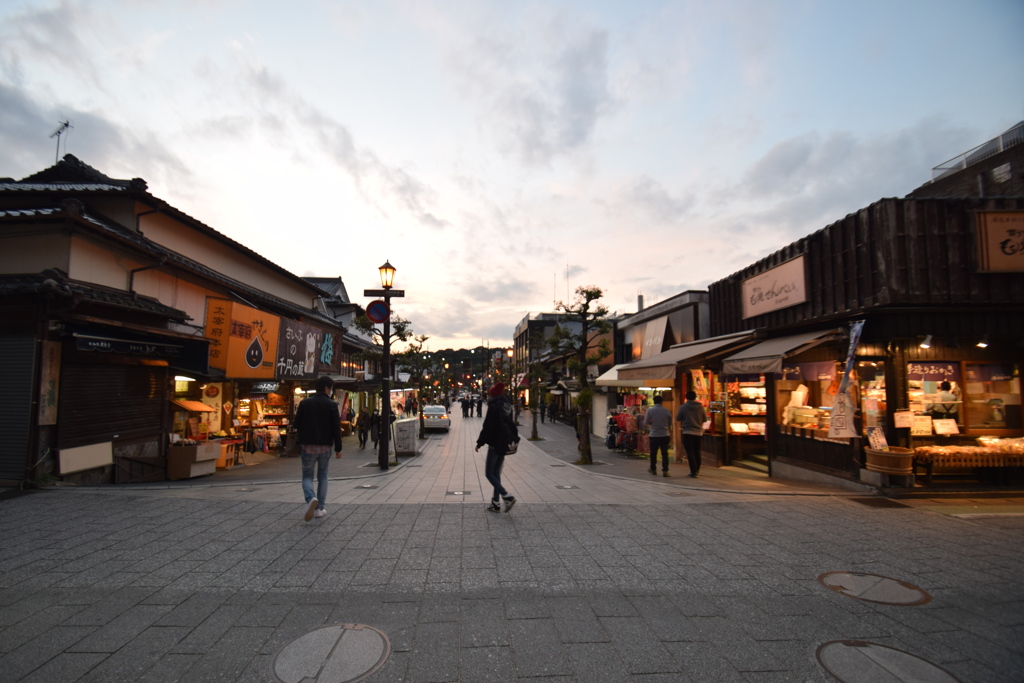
[(243, 339), (49, 383), (841, 424)]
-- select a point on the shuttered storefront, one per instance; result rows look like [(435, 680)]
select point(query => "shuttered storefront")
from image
[(17, 363), (100, 403)]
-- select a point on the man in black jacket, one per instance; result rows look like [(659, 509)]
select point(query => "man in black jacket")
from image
[(318, 423), (499, 433)]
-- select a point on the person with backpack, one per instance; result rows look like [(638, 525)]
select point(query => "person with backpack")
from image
[(501, 436)]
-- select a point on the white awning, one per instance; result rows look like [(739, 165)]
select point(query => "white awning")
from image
[(663, 366), (768, 355), (611, 379)]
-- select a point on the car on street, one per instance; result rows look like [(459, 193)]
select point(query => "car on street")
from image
[(436, 417)]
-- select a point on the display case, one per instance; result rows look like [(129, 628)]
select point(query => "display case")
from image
[(747, 407)]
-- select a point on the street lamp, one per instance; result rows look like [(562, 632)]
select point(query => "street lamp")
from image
[(387, 280)]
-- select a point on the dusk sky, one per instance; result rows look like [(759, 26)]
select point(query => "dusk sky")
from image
[(500, 154)]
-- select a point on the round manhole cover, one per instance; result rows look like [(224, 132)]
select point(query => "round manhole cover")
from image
[(340, 653), (874, 588), (858, 661)]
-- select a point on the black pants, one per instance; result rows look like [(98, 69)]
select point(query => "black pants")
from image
[(363, 435), (660, 442), (492, 470), (691, 442)]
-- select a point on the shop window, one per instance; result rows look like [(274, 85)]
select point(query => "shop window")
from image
[(746, 404), (985, 396), (805, 395), (871, 382), (992, 393)]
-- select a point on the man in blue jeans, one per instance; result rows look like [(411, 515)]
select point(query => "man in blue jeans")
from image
[(691, 417), (498, 433), (659, 420), (318, 423)]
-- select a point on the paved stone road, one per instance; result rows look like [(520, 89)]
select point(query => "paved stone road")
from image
[(589, 578)]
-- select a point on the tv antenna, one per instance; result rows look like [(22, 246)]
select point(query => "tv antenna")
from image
[(64, 127)]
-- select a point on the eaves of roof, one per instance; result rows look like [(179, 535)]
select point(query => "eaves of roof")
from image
[(54, 282), (251, 295)]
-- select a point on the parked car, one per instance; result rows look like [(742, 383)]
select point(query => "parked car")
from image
[(436, 417)]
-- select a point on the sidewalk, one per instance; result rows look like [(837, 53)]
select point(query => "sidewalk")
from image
[(589, 578)]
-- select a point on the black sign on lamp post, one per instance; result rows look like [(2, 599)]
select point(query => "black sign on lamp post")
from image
[(387, 280)]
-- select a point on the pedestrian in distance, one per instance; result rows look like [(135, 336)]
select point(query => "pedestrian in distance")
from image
[(318, 422), (465, 406), (659, 420), (691, 418), (500, 435), (479, 406), (375, 428), (363, 426)]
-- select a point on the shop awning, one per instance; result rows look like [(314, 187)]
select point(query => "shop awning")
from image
[(612, 379), (767, 356), (194, 406), (663, 366)]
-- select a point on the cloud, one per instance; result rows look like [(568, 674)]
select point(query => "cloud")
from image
[(277, 108), (99, 142), (647, 197), (52, 36), (542, 89)]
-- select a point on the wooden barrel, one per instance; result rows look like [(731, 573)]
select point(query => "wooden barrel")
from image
[(896, 460)]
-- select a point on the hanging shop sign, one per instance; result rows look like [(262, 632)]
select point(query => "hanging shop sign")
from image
[(304, 351), (49, 383), (781, 287), (265, 387), (1001, 241), (243, 340)]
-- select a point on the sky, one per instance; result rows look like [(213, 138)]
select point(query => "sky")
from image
[(501, 154)]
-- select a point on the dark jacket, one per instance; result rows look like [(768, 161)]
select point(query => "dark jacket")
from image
[(318, 422), (499, 430)]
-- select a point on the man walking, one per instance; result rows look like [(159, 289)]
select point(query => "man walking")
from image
[(499, 433), (660, 421), (691, 418), (319, 425)]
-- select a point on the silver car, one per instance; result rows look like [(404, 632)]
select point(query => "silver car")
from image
[(436, 417)]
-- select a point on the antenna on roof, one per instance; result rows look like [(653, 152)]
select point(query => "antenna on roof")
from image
[(64, 126)]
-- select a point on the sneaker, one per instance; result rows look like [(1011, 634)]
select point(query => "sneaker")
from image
[(320, 512), (693, 476), (665, 473), (313, 504), (652, 471), (509, 502), (494, 507)]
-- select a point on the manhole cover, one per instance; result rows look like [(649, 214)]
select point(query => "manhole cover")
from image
[(857, 661), (879, 502), (366, 486), (341, 653), (874, 588), (459, 493)]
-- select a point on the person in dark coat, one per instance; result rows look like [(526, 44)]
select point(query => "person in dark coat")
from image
[(363, 426), (499, 433), (318, 422)]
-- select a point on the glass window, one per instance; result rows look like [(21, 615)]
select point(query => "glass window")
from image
[(871, 378), (992, 395)]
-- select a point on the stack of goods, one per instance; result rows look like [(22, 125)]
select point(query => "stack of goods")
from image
[(994, 453)]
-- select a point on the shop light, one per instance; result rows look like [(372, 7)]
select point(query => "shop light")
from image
[(927, 343), (983, 343), (183, 378), (298, 390)]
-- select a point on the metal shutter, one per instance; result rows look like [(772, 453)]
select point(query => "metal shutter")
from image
[(17, 363), (101, 402)]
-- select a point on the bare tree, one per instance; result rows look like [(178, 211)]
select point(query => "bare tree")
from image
[(584, 348)]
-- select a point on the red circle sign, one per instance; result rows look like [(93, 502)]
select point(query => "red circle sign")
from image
[(377, 311)]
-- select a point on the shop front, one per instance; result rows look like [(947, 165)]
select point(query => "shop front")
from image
[(692, 366), (890, 351)]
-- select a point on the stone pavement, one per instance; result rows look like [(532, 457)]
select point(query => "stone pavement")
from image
[(589, 578)]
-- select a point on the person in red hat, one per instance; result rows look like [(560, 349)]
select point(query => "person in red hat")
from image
[(501, 436)]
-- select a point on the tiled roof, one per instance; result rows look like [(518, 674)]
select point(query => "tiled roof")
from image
[(64, 187), (157, 251), (55, 282)]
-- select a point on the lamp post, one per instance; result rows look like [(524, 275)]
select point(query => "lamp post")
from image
[(387, 280)]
